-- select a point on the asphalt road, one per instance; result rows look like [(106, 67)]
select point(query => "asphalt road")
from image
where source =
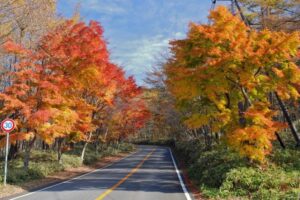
[(149, 174)]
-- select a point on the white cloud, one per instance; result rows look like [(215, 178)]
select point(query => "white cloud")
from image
[(140, 54), (179, 35)]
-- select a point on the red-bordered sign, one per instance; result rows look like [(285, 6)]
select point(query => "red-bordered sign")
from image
[(8, 125)]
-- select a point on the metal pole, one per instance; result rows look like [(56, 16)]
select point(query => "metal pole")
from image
[(6, 156)]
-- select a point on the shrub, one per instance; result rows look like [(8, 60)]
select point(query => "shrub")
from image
[(91, 158), (109, 151), (222, 174), (71, 161), (211, 166), (255, 183), (189, 151), (126, 147), (287, 159), (21, 175), (46, 168)]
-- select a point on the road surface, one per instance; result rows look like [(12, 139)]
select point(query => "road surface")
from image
[(148, 174)]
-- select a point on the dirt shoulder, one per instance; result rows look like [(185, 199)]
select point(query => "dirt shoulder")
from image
[(14, 190)]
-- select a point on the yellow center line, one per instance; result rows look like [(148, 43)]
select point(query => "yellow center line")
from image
[(108, 191)]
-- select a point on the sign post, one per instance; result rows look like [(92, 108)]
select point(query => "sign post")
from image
[(7, 126)]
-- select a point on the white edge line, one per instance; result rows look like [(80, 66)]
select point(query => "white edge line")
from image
[(77, 177), (185, 191)]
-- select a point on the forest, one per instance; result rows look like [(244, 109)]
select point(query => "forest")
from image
[(225, 98)]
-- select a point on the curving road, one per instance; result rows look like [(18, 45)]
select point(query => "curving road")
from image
[(148, 174)]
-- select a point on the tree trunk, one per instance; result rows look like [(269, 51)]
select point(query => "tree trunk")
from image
[(288, 119), (106, 132), (97, 147), (207, 138), (118, 144), (13, 151), (280, 140), (217, 137), (242, 119), (85, 146), (28, 148), (45, 146), (59, 149)]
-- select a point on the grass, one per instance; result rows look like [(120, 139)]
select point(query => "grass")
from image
[(223, 174), (44, 163)]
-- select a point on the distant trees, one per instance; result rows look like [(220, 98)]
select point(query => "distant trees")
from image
[(164, 121), (274, 15), (27, 20)]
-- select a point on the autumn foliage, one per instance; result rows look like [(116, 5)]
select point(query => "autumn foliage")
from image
[(222, 76), (66, 87)]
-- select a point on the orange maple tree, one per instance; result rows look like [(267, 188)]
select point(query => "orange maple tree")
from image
[(63, 88), (225, 72)]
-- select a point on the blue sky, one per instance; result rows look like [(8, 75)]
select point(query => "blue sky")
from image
[(138, 31)]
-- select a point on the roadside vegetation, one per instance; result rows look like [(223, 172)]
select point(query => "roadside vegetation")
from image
[(222, 174), (44, 162)]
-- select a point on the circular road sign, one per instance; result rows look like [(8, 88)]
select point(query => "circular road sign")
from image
[(7, 125)]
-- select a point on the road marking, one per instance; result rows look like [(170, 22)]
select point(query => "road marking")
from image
[(77, 177), (186, 193), (107, 192)]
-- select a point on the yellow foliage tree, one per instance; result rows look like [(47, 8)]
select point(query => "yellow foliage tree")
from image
[(226, 72)]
